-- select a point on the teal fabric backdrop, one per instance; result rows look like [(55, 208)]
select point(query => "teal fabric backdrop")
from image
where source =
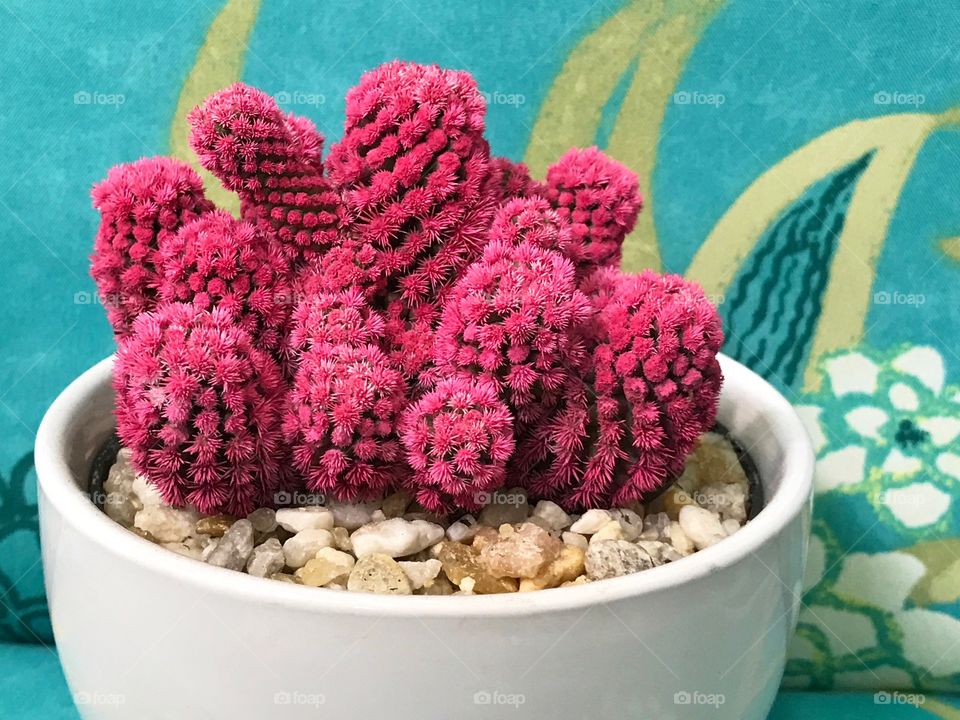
[(798, 157)]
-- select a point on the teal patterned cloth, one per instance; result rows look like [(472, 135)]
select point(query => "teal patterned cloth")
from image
[(798, 159)]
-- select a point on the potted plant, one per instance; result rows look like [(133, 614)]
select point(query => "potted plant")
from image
[(409, 369)]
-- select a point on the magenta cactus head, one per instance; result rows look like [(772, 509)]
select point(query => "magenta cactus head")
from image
[(512, 319), (273, 161), (341, 421), (458, 439), (412, 167), (217, 261), (200, 408), (653, 391), (532, 220), (335, 318), (509, 180), (600, 199), (142, 205)]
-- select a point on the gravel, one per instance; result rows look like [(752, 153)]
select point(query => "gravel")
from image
[(394, 547)]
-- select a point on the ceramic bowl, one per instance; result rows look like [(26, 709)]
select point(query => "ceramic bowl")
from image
[(146, 634)]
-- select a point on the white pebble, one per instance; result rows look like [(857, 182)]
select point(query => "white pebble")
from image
[(678, 538), (591, 521), (461, 532), (730, 526), (554, 515), (395, 537), (264, 520), (145, 492), (234, 547), (351, 515), (266, 559), (729, 500), (167, 524), (421, 574), (612, 530), (575, 539), (631, 521), (306, 518), (305, 545), (701, 526)]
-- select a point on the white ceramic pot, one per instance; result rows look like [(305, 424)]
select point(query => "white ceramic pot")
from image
[(147, 635)]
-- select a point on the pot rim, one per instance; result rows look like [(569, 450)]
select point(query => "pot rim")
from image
[(793, 492)]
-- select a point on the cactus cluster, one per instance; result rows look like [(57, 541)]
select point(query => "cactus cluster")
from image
[(409, 312)]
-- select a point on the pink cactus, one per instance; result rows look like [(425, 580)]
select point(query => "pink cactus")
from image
[(654, 386), (142, 205), (425, 316), (412, 167), (458, 439), (509, 180), (512, 319), (335, 318), (273, 161), (217, 261), (341, 423), (600, 199), (200, 408), (532, 220)]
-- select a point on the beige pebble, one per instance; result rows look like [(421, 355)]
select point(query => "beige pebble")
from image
[(328, 566), (215, 525), (379, 573), (566, 568), (613, 530), (575, 539), (520, 552), (460, 561)]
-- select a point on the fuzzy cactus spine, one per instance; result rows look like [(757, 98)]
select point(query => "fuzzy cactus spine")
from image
[(599, 197), (412, 166), (273, 161), (217, 261), (512, 319), (341, 421), (142, 206), (623, 431), (458, 439), (200, 407)]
